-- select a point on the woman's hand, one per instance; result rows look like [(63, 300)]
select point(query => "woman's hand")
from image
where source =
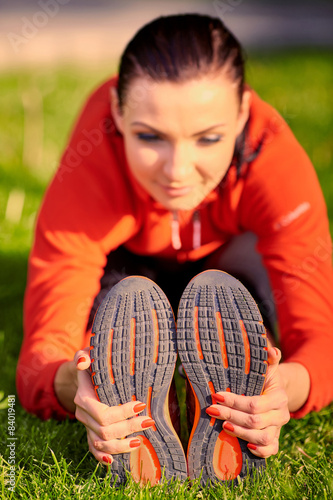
[(256, 419), (107, 427)]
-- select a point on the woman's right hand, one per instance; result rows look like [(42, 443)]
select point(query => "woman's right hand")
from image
[(108, 427)]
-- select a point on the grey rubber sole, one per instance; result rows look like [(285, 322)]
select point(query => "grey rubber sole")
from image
[(223, 347), (134, 352)]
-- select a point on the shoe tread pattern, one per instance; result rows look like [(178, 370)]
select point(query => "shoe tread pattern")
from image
[(230, 298), (135, 298)]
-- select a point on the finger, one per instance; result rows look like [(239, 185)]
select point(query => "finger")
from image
[(86, 391), (253, 404), (261, 438), (105, 458), (82, 359), (264, 451), (86, 399), (114, 446), (249, 420), (116, 430)]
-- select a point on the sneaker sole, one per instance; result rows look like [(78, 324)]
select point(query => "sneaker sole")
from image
[(134, 352), (223, 347)]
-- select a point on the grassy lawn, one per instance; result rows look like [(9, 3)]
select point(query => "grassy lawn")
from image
[(37, 111)]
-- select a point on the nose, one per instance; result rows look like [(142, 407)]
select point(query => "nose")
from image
[(179, 163)]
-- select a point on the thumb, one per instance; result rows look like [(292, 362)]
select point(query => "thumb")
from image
[(82, 359), (272, 377), (274, 355)]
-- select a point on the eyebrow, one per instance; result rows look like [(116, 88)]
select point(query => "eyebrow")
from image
[(193, 135)]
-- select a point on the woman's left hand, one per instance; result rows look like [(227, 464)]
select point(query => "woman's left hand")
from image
[(256, 419)]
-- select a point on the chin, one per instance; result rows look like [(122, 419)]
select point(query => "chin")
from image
[(180, 205)]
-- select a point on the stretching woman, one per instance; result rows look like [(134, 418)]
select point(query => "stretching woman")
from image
[(176, 166)]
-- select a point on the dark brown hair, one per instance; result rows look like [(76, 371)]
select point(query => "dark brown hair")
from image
[(179, 48)]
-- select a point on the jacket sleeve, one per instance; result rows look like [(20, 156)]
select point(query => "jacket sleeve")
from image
[(283, 204), (84, 215)]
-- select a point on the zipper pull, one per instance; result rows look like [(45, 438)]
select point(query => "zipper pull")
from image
[(196, 230)]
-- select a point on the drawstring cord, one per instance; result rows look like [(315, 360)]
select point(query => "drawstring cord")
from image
[(175, 236), (196, 230), (175, 233)]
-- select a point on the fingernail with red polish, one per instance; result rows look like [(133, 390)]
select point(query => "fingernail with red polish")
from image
[(139, 407), (251, 446), (107, 460), (213, 412), (81, 360), (219, 398), (135, 443), (147, 423), (229, 427)]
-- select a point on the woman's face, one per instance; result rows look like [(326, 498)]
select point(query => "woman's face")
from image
[(180, 137)]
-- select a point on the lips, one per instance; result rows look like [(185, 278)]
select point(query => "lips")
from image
[(176, 191)]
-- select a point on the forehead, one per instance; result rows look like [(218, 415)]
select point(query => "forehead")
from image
[(207, 98)]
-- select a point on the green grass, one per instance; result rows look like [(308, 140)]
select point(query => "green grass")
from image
[(52, 461)]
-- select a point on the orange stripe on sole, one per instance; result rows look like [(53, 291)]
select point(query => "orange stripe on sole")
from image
[(150, 390), (265, 362), (212, 391), (246, 347), (132, 347), (212, 421), (197, 412), (196, 332), (222, 339), (227, 458), (156, 335), (144, 463), (109, 359), (95, 389)]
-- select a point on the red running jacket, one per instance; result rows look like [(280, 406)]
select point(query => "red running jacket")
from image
[(94, 204)]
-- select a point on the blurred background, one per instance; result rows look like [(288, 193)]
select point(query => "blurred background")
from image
[(53, 53), (52, 31)]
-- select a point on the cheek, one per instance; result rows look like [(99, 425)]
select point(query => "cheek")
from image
[(218, 162), (142, 160)]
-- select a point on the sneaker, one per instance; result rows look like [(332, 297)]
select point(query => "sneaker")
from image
[(134, 352), (222, 345)]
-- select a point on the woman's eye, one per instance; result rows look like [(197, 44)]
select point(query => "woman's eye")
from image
[(147, 137), (210, 139)]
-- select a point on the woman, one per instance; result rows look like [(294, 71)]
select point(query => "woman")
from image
[(176, 166)]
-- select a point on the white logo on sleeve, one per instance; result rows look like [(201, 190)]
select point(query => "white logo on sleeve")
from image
[(293, 215)]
